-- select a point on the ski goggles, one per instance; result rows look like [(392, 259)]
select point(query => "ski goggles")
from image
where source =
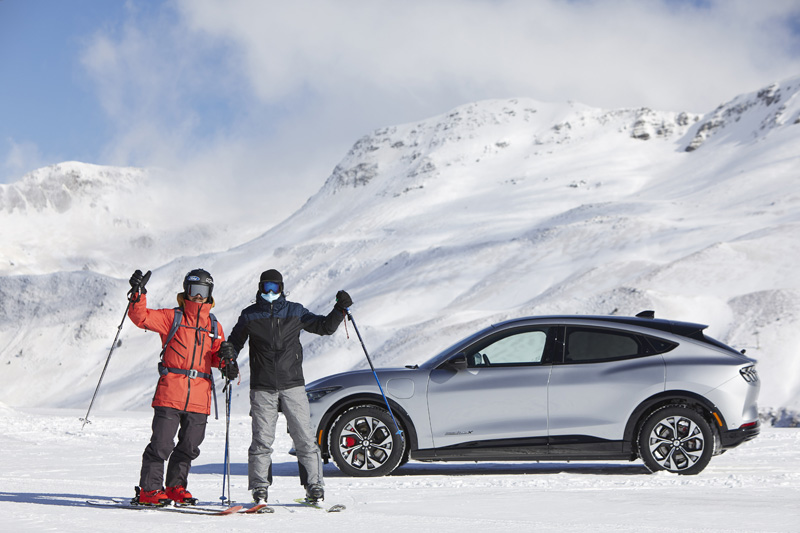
[(195, 289), (270, 286)]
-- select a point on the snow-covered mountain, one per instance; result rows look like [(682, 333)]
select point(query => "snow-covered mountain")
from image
[(493, 210), (77, 216)]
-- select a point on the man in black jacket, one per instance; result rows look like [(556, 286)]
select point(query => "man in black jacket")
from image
[(273, 325)]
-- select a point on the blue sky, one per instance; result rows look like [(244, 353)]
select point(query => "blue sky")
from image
[(47, 104), (250, 93)]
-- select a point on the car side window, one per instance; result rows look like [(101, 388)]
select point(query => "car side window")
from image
[(587, 345), (522, 348)]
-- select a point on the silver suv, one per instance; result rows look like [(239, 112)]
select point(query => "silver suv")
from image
[(549, 388)]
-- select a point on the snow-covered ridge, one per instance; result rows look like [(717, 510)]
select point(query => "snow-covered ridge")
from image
[(754, 115), (79, 216), (525, 124), (58, 187)]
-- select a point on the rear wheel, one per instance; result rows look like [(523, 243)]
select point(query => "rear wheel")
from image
[(677, 439), (363, 444)]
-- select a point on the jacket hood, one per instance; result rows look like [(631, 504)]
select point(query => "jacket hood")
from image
[(190, 306)]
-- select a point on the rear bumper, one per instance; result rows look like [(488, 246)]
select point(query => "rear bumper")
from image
[(731, 439)]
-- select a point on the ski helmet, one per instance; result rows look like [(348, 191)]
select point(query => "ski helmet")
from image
[(198, 281), (270, 276)]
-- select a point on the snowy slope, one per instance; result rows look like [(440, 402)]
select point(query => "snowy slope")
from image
[(493, 210), (50, 467)]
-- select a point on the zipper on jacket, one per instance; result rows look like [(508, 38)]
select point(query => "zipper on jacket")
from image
[(194, 351), (274, 328)]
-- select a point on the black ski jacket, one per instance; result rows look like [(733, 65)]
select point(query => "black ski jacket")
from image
[(276, 356)]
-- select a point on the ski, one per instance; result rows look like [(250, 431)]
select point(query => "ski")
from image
[(260, 508), (166, 508), (315, 505)]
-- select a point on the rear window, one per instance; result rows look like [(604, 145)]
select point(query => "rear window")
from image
[(587, 345), (661, 345)]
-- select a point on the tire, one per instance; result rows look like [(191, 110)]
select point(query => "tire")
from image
[(406, 457), (676, 439), (363, 444)]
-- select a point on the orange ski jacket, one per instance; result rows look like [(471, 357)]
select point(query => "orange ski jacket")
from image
[(193, 349)]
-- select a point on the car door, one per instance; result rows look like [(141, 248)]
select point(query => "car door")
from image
[(603, 375), (501, 392)]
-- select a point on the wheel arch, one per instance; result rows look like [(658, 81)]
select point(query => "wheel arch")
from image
[(668, 398), (366, 399)]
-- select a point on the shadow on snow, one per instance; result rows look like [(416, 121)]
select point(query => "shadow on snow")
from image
[(410, 469), (414, 468)]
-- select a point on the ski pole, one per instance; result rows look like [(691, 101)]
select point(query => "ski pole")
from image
[(385, 400), (226, 469), (86, 420)]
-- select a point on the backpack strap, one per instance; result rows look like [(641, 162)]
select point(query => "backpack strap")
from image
[(176, 322), (191, 374), (214, 334)]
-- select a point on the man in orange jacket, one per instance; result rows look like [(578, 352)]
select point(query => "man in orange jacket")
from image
[(182, 401)]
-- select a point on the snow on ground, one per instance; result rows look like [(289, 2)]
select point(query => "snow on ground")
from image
[(50, 466)]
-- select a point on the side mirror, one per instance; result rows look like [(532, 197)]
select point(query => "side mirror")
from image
[(458, 361)]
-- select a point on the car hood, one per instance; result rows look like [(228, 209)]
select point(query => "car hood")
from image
[(360, 377)]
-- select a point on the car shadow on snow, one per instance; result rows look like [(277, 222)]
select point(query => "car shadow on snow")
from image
[(509, 469), (287, 468), (415, 468)]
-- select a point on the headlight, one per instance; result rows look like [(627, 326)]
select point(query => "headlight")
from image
[(315, 395)]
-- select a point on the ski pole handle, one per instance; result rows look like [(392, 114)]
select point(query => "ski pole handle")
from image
[(137, 290)]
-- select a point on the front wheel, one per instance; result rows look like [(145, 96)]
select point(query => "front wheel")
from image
[(676, 439), (363, 444)]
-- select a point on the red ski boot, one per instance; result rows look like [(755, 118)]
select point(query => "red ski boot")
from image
[(151, 497), (180, 495)]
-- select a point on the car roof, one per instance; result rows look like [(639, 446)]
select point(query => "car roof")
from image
[(685, 329)]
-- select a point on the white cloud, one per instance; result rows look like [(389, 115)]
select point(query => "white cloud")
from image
[(267, 90), (20, 158), (610, 53)]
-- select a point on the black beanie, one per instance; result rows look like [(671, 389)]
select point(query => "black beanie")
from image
[(271, 275)]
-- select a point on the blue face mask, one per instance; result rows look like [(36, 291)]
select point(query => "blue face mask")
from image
[(270, 296)]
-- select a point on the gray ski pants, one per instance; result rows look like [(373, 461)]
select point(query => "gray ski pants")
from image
[(264, 413)]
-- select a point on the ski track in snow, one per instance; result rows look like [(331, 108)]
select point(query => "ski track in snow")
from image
[(50, 466)]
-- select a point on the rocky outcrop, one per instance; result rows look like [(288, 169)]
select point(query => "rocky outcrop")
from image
[(753, 115)]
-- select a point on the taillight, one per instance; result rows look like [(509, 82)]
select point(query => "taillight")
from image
[(749, 373)]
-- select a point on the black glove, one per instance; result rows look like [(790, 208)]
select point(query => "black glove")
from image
[(229, 368), (138, 282), (227, 360), (227, 351), (343, 301)]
